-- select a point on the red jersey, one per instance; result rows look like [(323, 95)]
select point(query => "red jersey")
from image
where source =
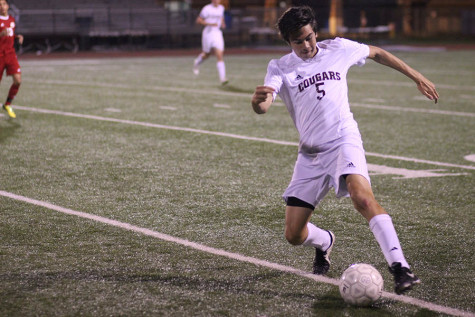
[(6, 42)]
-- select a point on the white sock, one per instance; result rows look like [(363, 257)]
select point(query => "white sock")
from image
[(221, 70), (198, 60), (317, 237), (384, 232)]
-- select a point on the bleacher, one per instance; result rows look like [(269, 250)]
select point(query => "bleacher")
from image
[(85, 22), (73, 17), (56, 24)]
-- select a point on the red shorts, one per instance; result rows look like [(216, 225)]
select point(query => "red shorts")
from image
[(10, 63)]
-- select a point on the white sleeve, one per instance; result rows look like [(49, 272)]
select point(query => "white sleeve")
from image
[(356, 52), (273, 77), (204, 13)]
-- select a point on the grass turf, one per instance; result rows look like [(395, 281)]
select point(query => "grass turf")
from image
[(218, 191)]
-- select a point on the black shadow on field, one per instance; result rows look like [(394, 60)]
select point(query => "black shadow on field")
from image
[(332, 304), (426, 313), (241, 285), (9, 130), (231, 88)]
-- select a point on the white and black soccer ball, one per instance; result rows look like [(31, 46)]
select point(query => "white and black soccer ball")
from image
[(361, 285)]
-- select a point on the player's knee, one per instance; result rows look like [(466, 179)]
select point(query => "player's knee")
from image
[(363, 201), (293, 237)]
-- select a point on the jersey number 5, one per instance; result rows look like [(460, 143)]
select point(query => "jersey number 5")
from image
[(321, 92)]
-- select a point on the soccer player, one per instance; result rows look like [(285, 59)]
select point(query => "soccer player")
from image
[(8, 58), (311, 81), (212, 18)]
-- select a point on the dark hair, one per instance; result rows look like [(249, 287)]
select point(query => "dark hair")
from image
[(294, 19)]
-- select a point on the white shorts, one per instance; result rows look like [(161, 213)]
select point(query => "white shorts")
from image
[(213, 39), (315, 173)]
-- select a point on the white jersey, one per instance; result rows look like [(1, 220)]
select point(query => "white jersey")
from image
[(315, 90), (213, 15)]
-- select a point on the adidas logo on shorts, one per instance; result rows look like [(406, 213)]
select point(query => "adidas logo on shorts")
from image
[(350, 165)]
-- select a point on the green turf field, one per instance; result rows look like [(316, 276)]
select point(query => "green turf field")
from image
[(144, 142)]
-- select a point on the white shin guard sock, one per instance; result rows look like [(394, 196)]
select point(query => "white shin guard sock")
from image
[(221, 70), (198, 60), (317, 237), (384, 232)]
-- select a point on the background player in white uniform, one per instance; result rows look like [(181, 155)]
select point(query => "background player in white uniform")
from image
[(312, 83), (212, 18)]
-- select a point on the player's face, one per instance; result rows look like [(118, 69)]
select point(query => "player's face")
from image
[(215, 2), (3, 8), (304, 42)]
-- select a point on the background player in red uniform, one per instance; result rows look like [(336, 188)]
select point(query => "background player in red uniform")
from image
[(8, 58)]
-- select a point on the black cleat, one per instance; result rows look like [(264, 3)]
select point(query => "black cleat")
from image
[(404, 279), (321, 264)]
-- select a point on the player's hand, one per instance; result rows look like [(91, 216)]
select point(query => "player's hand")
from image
[(262, 99), (20, 39), (261, 94), (427, 88)]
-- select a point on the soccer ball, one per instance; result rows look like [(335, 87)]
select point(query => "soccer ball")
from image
[(361, 285)]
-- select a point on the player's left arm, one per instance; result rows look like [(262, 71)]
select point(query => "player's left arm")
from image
[(223, 24), (425, 86), (20, 38)]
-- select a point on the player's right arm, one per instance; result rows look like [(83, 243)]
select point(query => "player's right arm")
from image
[(262, 99), (201, 21)]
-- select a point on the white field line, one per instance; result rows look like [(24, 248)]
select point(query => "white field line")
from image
[(153, 88), (352, 81), (470, 157), (247, 95), (113, 110), (168, 108), (407, 84), (229, 135), (414, 160), (222, 106), (230, 255), (433, 111)]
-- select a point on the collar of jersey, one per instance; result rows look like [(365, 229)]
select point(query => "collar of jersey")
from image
[(319, 53), (4, 17)]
